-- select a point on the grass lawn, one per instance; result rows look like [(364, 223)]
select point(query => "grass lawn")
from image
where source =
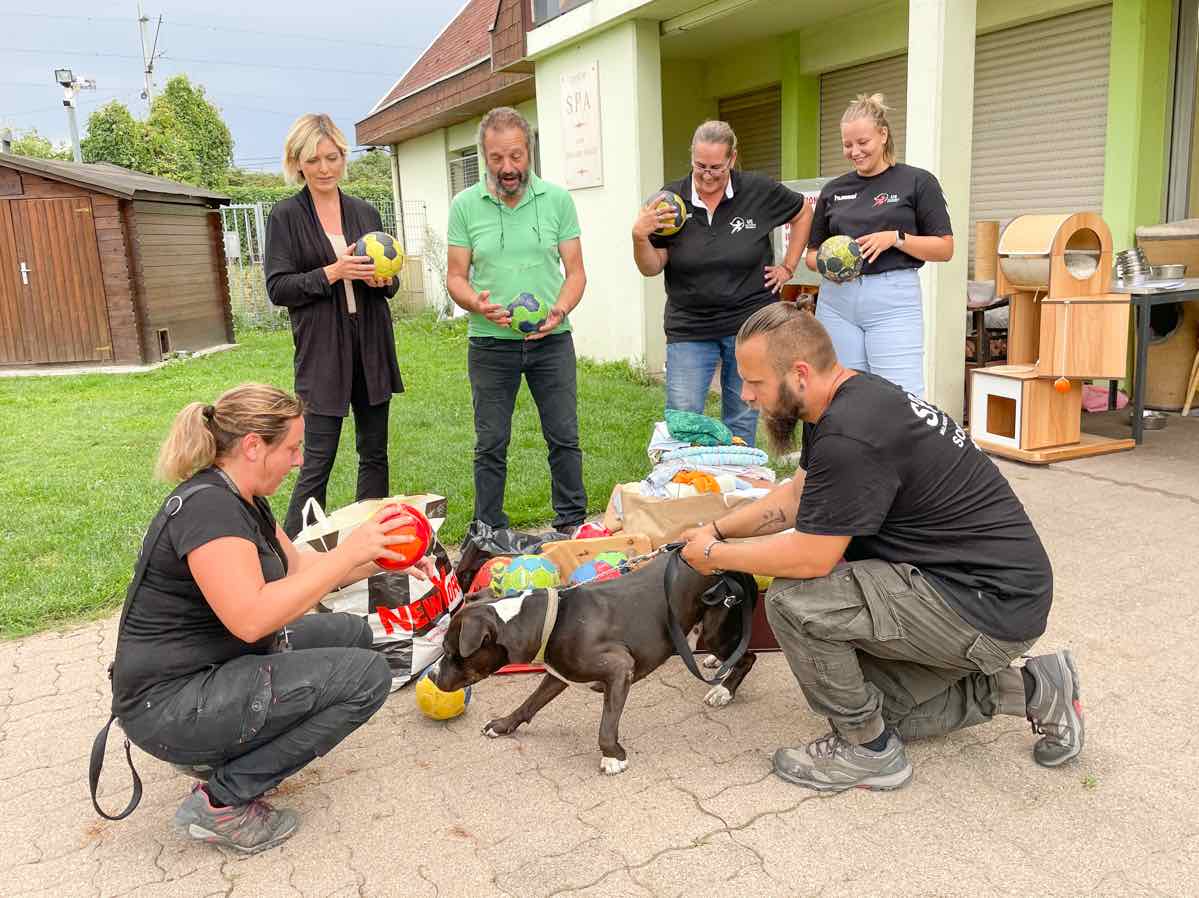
[(78, 452)]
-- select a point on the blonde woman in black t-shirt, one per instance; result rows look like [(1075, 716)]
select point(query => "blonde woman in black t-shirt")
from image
[(898, 216), (218, 668)]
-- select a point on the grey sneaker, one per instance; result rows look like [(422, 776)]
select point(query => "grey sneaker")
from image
[(248, 828), (1055, 711), (831, 764)]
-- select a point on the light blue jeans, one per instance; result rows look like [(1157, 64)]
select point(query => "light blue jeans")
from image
[(877, 325), (690, 366)]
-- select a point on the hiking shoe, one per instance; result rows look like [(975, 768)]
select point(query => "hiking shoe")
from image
[(1054, 710), (831, 764), (248, 828)]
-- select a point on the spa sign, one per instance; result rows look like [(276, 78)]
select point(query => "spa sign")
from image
[(581, 132)]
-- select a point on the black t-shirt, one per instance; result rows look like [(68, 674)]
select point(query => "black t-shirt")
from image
[(902, 197), (909, 486), (715, 273), (171, 631)]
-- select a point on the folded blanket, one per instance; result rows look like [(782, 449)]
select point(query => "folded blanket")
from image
[(717, 455), (700, 430)]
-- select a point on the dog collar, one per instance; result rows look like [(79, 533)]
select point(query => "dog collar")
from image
[(551, 617)]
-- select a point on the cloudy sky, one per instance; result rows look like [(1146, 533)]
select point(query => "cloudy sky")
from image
[(260, 70)]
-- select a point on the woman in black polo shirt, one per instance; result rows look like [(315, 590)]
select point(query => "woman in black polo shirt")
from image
[(218, 669), (898, 216), (719, 269)]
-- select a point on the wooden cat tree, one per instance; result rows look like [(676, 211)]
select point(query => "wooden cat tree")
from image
[(1065, 327)]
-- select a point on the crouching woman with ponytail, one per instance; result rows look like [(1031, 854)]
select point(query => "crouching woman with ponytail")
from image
[(217, 669)]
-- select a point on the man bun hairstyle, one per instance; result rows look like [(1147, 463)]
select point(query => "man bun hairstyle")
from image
[(792, 334), (875, 108)]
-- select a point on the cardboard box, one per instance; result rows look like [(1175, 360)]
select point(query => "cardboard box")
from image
[(569, 554), (662, 520)]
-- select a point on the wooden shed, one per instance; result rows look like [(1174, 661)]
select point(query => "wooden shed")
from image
[(99, 263)]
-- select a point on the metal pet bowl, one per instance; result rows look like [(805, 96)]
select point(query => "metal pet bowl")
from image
[(1151, 420), (1167, 272)]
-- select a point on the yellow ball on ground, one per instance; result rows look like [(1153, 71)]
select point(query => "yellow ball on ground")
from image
[(438, 705)]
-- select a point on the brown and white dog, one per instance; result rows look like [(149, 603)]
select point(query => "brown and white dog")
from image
[(607, 635)]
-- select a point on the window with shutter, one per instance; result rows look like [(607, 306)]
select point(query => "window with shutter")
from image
[(757, 120)]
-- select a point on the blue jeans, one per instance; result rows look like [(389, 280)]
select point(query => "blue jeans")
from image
[(689, 369), (877, 326)]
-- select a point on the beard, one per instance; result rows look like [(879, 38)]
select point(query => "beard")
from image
[(782, 420), (508, 188)]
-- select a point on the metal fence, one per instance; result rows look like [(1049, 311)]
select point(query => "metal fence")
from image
[(244, 227)]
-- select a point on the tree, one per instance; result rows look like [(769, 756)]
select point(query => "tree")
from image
[(33, 144), (374, 167), (184, 139), (192, 126), (113, 135)]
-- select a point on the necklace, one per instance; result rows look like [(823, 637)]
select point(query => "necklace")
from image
[(832, 391)]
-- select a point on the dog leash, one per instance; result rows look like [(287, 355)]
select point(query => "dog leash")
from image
[(733, 589)]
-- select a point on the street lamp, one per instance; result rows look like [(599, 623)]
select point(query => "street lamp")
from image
[(70, 89)]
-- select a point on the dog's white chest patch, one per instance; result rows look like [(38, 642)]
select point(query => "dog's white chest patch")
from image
[(510, 607)]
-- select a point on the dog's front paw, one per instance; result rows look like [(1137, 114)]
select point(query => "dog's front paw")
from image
[(496, 728), (711, 662), (718, 697), (613, 766)]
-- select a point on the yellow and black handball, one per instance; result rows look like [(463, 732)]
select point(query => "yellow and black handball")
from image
[(666, 199), (385, 251)]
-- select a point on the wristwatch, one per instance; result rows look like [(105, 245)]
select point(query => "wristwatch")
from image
[(899, 235)]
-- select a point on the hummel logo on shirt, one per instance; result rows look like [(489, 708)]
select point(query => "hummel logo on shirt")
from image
[(841, 197)]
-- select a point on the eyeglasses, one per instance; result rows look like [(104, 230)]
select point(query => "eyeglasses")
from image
[(709, 169)]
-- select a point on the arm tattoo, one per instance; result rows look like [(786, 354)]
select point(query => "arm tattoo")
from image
[(772, 519)]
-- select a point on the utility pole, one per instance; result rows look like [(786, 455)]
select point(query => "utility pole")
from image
[(70, 89), (143, 22)]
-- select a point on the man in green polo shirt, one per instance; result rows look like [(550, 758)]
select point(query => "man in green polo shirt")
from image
[(514, 233)]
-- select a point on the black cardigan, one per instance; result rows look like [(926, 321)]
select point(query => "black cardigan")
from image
[(297, 251)]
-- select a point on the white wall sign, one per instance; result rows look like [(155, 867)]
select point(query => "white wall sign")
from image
[(582, 138)]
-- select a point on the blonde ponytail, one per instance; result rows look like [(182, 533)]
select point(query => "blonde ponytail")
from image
[(202, 434), (875, 108)]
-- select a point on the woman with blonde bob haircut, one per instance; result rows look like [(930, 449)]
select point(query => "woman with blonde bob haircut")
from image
[(340, 321), (898, 216), (218, 669)]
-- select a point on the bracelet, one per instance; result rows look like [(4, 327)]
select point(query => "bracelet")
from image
[(708, 548), (716, 530)]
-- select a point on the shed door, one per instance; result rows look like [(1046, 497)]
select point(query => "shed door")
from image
[(64, 317), (12, 293), (757, 120)]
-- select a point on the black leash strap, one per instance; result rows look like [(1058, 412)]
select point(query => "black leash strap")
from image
[(154, 533), (733, 588), (97, 763)]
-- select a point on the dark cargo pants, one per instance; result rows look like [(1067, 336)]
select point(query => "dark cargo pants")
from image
[(873, 644), (258, 719)]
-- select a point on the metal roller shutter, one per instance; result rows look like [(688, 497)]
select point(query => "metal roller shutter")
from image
[(757, 120), (1040, 117), (838, 89)]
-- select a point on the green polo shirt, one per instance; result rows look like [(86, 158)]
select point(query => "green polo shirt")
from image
[(513, 251)]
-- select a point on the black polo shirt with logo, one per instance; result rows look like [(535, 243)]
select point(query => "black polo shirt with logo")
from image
[(715, 273), (899, 198)]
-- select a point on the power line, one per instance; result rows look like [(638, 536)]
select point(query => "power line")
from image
[(183, 23), (192, 59)]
